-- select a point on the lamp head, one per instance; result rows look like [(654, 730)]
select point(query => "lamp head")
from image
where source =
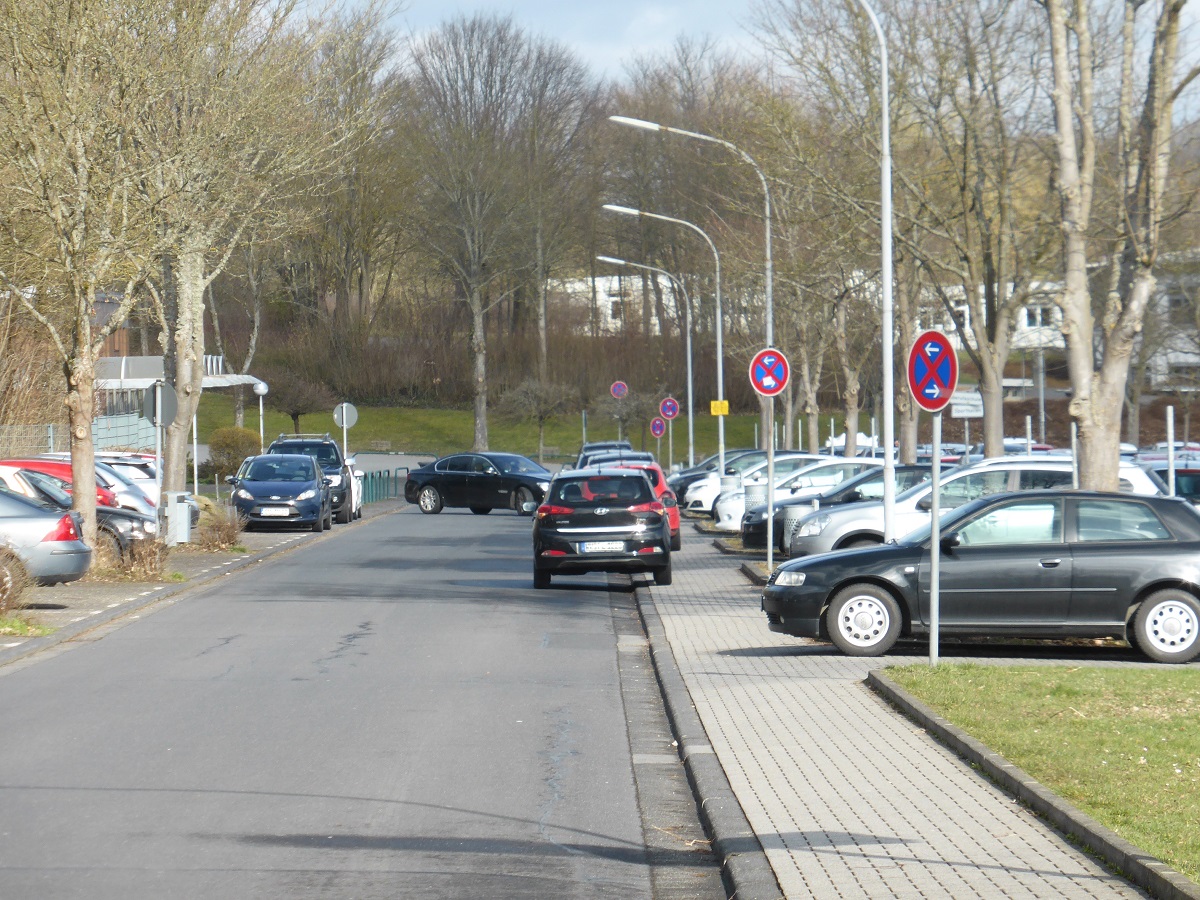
[(635, 123), (260, 388), (613, 260)]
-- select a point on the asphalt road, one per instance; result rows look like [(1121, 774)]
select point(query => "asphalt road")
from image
[(388, 711)]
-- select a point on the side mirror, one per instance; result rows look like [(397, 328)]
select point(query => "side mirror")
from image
[(350, 461), (852, 497), (491, 470), (359, 473), (669, 501), (326, 482), (231, 479), (925, 503), (529, 506), (950, 541)]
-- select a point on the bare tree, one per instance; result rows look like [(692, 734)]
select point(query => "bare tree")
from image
[(1145, 114)]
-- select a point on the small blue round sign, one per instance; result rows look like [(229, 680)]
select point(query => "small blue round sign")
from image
[(658, 427), (619, 389), (669, 408)]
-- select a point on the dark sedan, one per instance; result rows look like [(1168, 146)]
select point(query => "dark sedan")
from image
[(601, 520), (1034, 564), (479, 482), (283, 489), (865, 486)]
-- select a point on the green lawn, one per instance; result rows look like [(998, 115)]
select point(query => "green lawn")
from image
[(1123, 745), (441, 431)]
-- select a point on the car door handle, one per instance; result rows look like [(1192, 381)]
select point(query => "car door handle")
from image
[(1049, 563)]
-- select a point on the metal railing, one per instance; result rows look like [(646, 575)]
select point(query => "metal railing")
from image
[(384, 484)]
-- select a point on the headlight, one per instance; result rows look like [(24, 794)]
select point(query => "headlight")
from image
[(243, 494), (812, 527), (334, 481), (789, 578), (307, 495), (150, 527)]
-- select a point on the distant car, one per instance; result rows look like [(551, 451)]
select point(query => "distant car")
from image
[(665, 495), (615, 458), (598, 447), (61, 468), (1033, 564), (806, 480), (866, 485), (679, 481), (338, 469), (40, 543), (282, 489), (1187, 476), (132, 478), (861, 524), (479, 482), (601, 520), (118, 531), (703, 495)]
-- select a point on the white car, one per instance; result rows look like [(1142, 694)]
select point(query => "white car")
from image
[(702, 495), (808, 480)]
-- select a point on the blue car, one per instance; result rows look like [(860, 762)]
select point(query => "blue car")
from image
[(282, 489)]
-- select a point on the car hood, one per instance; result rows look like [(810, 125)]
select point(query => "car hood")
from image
[(863, 561), (276, 488)]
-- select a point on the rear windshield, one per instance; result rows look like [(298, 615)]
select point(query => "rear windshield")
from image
[(601, 490)]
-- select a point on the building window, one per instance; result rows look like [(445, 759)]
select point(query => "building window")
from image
[(618, 311)]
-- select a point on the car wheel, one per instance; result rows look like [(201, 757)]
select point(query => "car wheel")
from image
[(12, 580), (319, 525), (677, 540), (863, 620), (429, 500), (329, 520), (541, 578), (347, 513), (521, 496), (108, 546), (662, 577), (1167, 626), (481, 510)]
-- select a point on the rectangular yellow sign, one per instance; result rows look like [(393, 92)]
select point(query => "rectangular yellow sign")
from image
[(719, 407)]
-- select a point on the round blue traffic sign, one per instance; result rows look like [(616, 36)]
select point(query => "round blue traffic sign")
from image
[(932, 370), (658, 427), (769, 372), (619, 389), (669, 408)]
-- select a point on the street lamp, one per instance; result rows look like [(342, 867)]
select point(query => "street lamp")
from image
[(612, 260), (260, 388), (885, 274), (628, 211)]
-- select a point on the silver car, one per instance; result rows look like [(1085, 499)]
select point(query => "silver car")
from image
[(40, 543), (861, 524)]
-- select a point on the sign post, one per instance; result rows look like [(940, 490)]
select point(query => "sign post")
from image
[(932, 378), (344, 416), (619, 390), (669, 409), (769, 374)]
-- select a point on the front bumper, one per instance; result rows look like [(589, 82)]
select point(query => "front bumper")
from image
[(791, 611), (305, 512)]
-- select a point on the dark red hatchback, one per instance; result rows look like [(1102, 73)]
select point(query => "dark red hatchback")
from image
[(601, 520)]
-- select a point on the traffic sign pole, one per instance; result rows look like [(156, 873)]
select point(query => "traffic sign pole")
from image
[(670, 445), (769, 374), (935, 543)]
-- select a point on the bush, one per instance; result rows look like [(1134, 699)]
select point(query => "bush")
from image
[(220, 526), (227, 447)]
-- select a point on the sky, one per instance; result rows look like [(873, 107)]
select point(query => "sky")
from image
[(605, 34)]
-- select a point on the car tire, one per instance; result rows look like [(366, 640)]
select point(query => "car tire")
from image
[(319, 525), (109, 545), (1167, 626), (429, 500), (521, 496), (863, 620), (662, 577), (12, 580), (481, 510), (677, 540), (329, 520), (541, 579), (346, 514)]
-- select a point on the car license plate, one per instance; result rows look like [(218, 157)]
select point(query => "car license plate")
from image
[(603, 546), (275, 510)]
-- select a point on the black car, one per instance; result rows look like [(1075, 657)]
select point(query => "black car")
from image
[(679, 481), (601, 520), (338, 469), (283, 489), (597, 447), (480, 482), (865, 486), (118, 530), (1033, 564)]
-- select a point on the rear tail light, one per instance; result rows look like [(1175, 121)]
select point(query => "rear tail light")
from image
[(654, 507), (105, 497), (64, 531), (549, 509), (554, 553)]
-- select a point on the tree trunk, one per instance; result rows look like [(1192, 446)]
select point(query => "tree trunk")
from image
[(991, 390), (189, 366), (479, 354), (81, 391)]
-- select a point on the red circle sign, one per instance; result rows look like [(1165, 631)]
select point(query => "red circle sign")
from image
[(669, 408), (769, 372), (619, 389), (932, 371), (658, 427)]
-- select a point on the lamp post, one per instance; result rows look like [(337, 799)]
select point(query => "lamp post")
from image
[(612, 260), (260, 388), (885, 274), (627, 211)]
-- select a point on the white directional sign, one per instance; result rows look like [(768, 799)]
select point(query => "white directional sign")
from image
[(966, 405)]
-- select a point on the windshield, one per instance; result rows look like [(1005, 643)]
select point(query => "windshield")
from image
[(948, 518), (743, 463), (518, 465), (113, 474), (282, 469), (49, 485)]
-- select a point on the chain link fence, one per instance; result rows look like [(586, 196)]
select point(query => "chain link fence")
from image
[(128, 432)]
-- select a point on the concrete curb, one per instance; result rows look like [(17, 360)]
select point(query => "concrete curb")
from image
[(76, 629), (1142, 869), (744, 867)]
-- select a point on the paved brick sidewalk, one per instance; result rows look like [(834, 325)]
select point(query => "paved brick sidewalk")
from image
[(848, 798)]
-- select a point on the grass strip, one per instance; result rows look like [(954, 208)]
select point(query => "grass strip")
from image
[(1122, 745)]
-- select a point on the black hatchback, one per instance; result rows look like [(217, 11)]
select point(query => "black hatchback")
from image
[(601, 520)]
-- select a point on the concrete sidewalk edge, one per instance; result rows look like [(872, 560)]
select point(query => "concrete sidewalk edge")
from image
[(744, 867), (1144, 870)]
